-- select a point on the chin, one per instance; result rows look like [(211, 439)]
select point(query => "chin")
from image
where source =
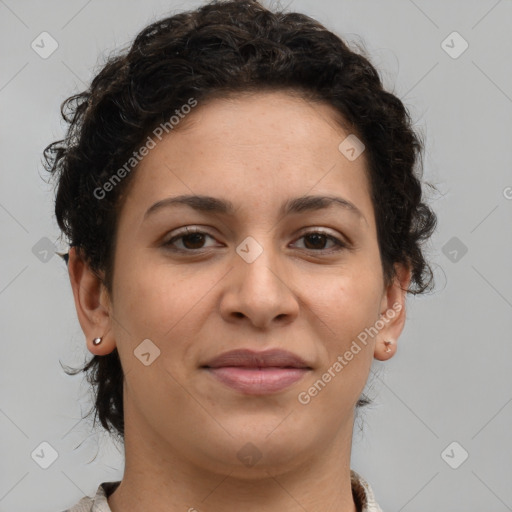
[(256, 453)]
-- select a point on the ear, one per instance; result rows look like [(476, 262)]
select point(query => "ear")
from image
[(392, 313), (92, 304)]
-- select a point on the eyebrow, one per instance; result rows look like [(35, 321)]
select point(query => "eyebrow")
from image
[(215, 205)]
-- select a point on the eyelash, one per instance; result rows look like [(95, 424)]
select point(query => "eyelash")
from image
[(190, 231)]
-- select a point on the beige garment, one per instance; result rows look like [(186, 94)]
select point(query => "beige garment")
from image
[(361, 490)]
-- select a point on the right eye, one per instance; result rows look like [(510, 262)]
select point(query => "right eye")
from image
[(191, 240)]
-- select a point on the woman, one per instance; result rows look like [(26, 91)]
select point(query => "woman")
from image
[(245, 221)]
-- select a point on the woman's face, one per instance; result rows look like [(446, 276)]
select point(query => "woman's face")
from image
[(258, 277)]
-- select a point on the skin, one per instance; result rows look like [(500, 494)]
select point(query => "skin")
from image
[(183, 428)]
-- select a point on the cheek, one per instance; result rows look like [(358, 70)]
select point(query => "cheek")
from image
[(144, 286), (160, 302), (347, 303), (348, 306), (142, 305)]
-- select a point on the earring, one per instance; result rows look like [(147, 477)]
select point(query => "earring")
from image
[(96, 341), (388, 343)]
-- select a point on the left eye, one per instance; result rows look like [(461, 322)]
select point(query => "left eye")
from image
[(192, 240), (320, 238)]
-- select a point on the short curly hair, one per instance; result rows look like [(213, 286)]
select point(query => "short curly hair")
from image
[(221, 49)]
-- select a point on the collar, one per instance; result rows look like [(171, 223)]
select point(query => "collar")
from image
[(363, 494)]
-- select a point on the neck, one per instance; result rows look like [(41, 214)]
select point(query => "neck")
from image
[(159, 477)]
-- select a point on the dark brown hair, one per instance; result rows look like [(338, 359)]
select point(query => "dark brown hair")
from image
[(219, 49)]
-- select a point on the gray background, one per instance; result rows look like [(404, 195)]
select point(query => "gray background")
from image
[(449, 382)]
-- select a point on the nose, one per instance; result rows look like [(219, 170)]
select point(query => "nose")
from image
[(260, 293)]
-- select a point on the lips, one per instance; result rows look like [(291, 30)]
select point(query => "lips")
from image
[(257, 373), (275, 358)]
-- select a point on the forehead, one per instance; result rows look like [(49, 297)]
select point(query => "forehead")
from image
[(270, 144)]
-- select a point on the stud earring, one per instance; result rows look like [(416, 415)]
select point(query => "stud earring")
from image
[(388, 348), (97, 341)]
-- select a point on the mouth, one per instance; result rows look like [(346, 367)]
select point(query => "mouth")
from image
[(274, 358), (257, 373)]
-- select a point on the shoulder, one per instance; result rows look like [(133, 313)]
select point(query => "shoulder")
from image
[(98, 502)]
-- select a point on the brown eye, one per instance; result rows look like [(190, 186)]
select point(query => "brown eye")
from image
[(191, 240), (316, 240)]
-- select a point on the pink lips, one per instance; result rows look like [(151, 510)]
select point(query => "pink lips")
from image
[(257, 373)]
